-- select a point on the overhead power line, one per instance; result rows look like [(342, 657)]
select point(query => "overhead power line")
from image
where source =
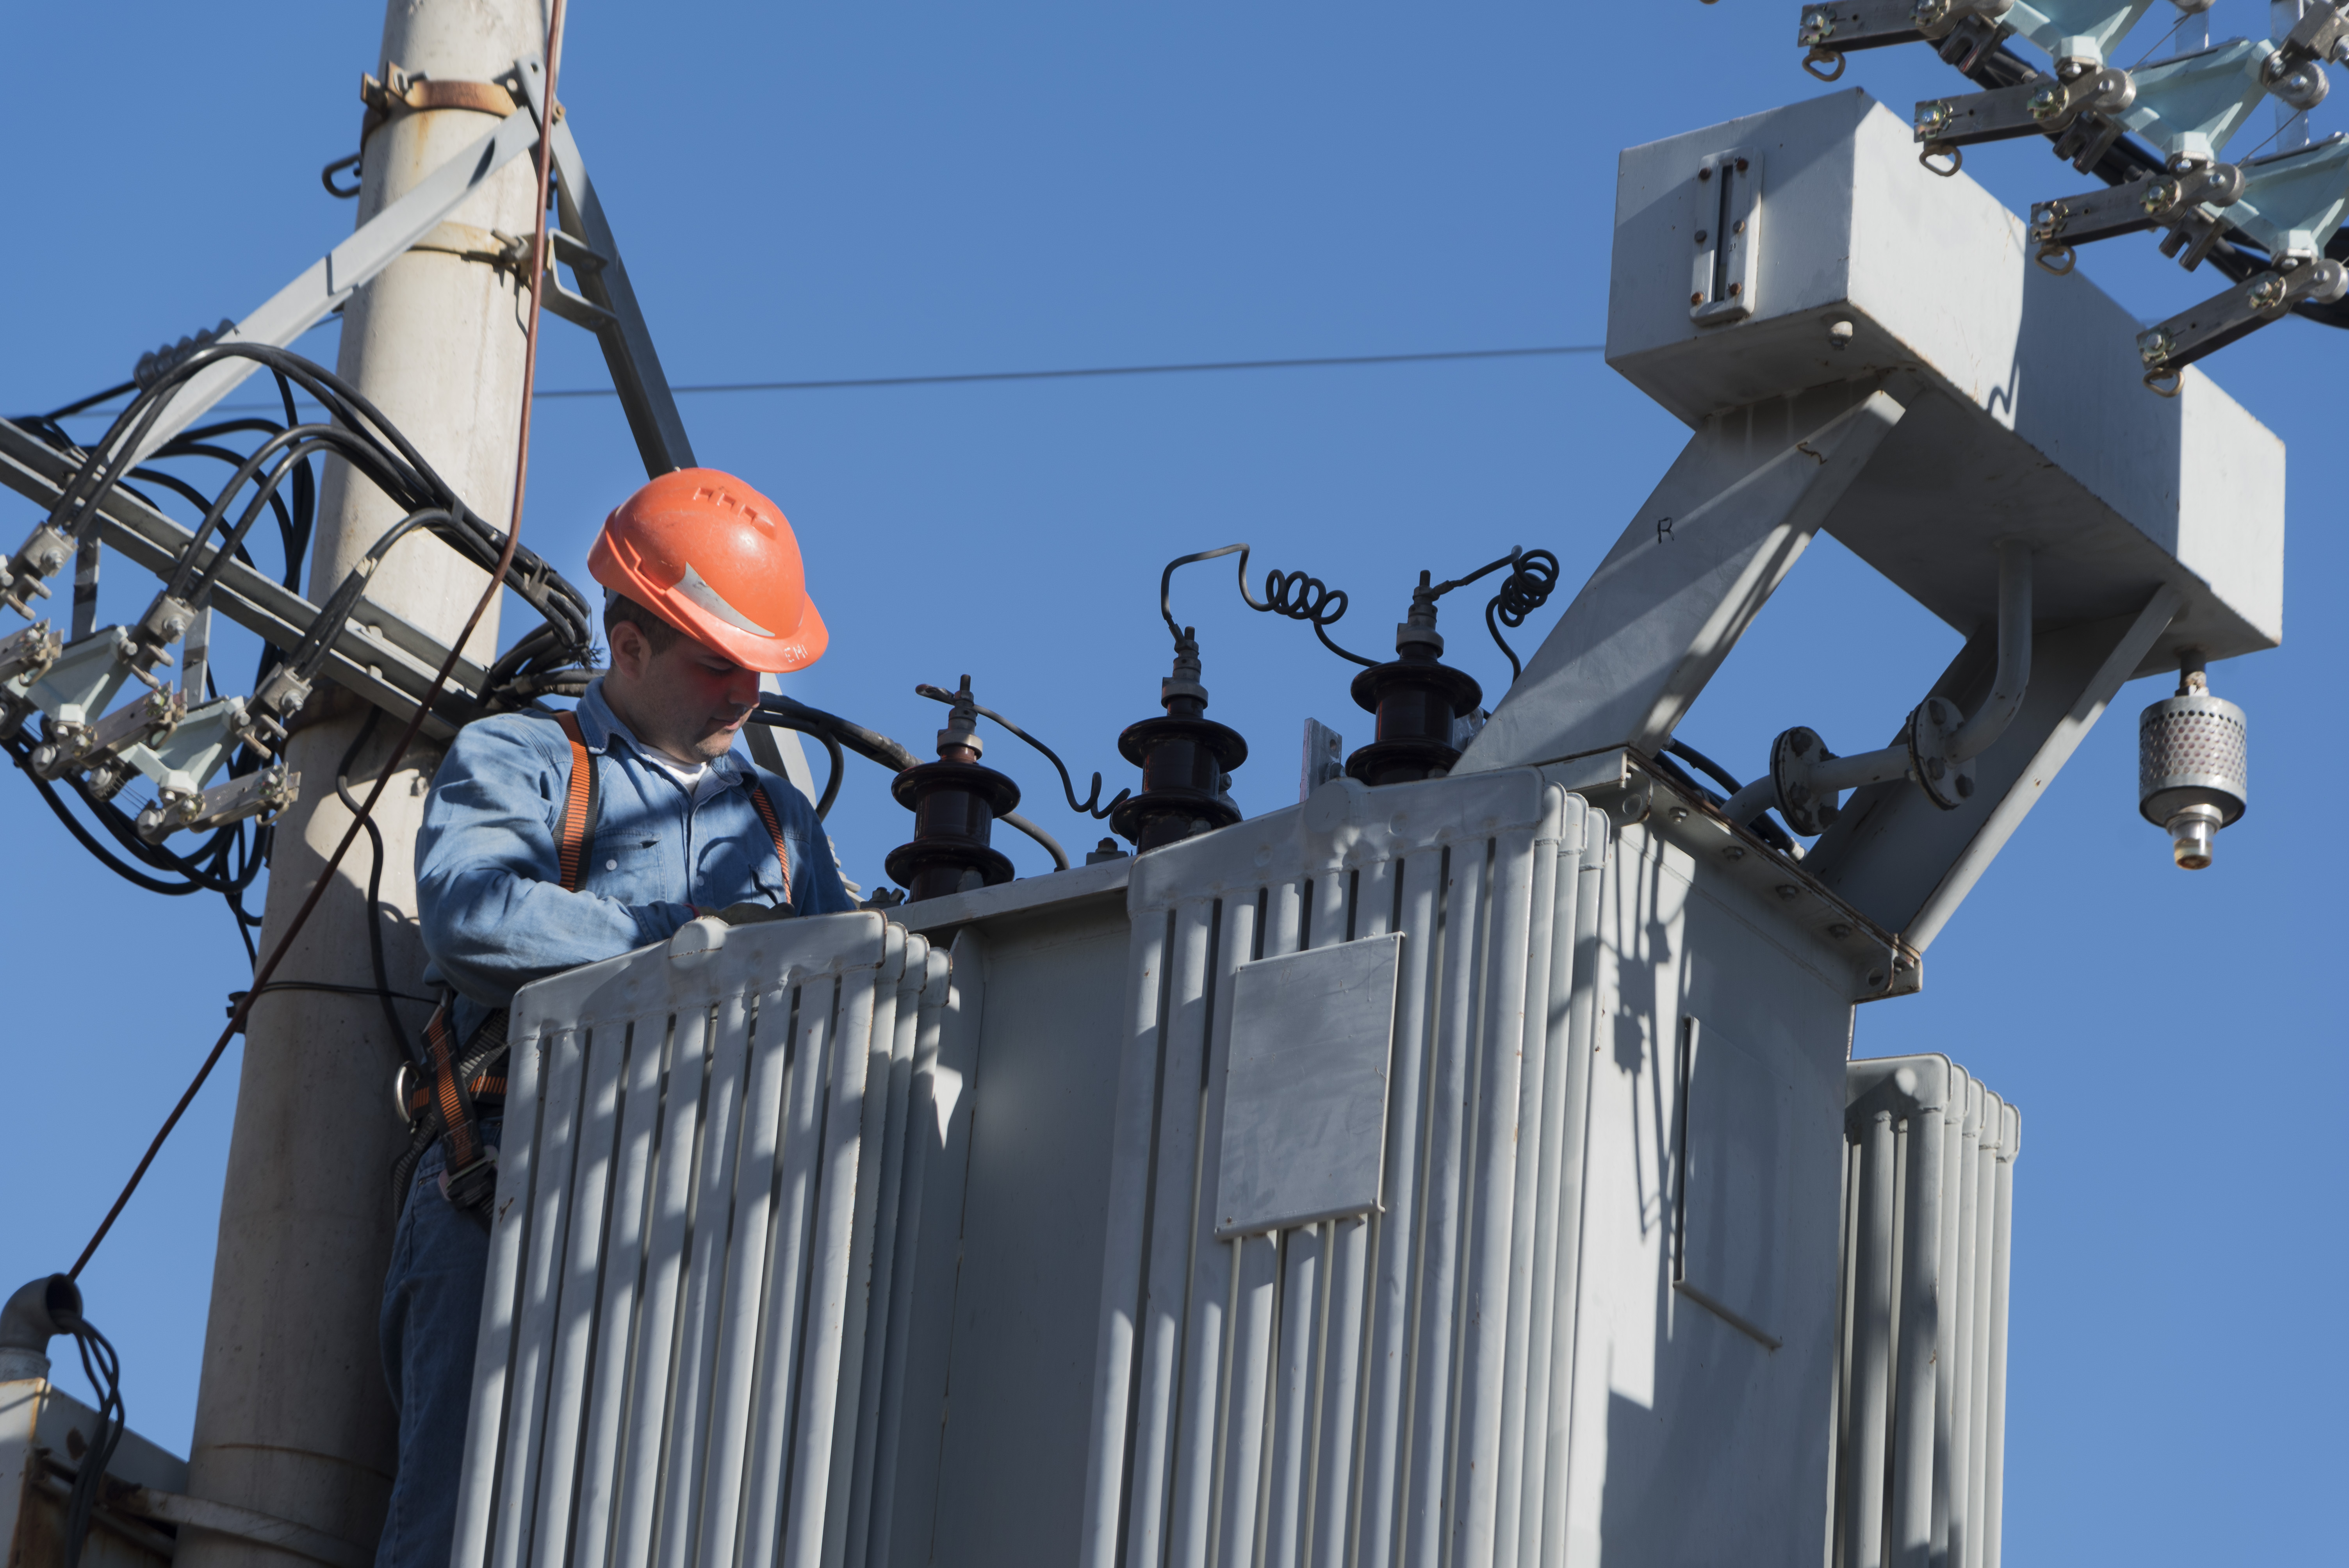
[(847, 382)]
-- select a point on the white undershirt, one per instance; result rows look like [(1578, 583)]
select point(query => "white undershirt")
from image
[(698, 780)]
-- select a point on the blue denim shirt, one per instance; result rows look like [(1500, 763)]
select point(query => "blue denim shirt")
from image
[(490, 898)]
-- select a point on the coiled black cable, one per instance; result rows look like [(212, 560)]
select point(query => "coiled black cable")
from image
[(1525, 589), (1294, 595)]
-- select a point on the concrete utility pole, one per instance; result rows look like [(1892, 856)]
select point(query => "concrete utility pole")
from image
[(292, 1417)]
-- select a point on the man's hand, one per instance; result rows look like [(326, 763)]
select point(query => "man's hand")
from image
[(748, 913)]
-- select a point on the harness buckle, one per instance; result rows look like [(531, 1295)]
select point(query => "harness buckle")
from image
[(474, 1186)]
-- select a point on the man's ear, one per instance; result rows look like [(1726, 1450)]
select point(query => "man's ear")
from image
[(631, 649)]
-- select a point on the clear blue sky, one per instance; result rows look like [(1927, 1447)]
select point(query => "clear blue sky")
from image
[(812, 192)]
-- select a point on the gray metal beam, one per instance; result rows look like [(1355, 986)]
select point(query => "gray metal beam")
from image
[(1906, 863), (334, 277), (627, 342), (1689, 574)]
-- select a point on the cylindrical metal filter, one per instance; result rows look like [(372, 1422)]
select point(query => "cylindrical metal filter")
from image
[(2192, 777)]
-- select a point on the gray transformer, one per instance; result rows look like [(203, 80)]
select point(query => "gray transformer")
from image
[(1464, 1172)]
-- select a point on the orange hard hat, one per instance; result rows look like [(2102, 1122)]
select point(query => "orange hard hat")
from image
[(716, 559)]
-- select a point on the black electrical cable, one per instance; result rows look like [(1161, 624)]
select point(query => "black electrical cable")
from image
[(1296, 595), (1337, 361), (236, 997), (103, 1368), (1525, 589), (279, 474), (230, 859), (1091, 806), (1705, 765), (383, 991), (1762, 827)]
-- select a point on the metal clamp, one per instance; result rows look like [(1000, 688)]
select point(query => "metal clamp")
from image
[(2264, 297)]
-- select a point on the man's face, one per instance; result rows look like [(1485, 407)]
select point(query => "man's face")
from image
[(687, 700)]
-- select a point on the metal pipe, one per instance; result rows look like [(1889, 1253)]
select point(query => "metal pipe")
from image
[(1166, 1054), (1190, 1515), (1958, 1264), (1443, 1252), (1751, 801), (1396, 1278), (1985, 1182), (2003, 1234), (1329, 1454), (1486, 1366), (1549, 1545), (1871, 1373), (1536, 1083), (1297, 1337), (1839, 773), (1989, 722), (1921, 1340), (1353, 1254)]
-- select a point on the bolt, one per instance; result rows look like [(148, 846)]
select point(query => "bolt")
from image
[(1789, 890), (1700, 236), (1734, 853), (1736, 289), (1703, 175), (1696, 299), (1839, 931)]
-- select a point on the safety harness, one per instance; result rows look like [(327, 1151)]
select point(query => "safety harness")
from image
[(446, 1099)]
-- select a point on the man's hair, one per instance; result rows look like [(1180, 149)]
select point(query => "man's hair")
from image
[(619, 607)]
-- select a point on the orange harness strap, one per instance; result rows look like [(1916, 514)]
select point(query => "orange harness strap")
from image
[(766, 809), (579, 827)]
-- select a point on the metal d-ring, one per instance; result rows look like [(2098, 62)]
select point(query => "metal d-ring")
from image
[(1818, 57), (2049, 253), (1932, 149), (2162, 382), (326, 176)]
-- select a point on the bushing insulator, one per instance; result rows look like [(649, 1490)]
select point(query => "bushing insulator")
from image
[(955, 805), (1186, 763), (1416, 700)]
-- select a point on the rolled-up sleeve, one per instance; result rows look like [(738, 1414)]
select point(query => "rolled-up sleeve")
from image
[(490, 906)]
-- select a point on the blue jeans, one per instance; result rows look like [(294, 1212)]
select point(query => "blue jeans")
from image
[(431, 1314)]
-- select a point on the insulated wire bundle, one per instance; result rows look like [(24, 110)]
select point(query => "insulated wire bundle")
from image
[(279, 473)]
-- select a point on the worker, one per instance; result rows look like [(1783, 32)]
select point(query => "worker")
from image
[(550, 843)]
